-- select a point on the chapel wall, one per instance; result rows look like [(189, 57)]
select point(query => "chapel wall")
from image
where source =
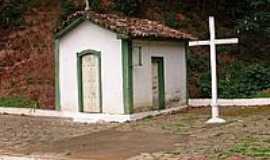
[(90, 36), (174, 57)]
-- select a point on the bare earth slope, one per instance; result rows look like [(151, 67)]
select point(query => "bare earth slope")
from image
[(26, 57)]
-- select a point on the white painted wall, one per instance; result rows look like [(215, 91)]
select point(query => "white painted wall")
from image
[(174, 72), (90, 36)]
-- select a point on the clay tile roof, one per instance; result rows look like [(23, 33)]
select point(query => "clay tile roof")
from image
[(133, 27)]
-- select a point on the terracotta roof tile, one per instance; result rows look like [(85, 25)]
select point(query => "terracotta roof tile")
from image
[(132, 27)]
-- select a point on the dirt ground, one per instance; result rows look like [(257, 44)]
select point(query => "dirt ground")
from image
[(179, 136)]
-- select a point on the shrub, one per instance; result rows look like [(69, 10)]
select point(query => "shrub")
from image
[(171, 17), (11, 13), (17, 102), (264, 93), (128, 7), (197, 62), (95, 5), (239, 81), (68, 7), (171, 20)]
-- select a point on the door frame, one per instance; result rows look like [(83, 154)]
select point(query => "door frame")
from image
[(80, 55), (161, 80)]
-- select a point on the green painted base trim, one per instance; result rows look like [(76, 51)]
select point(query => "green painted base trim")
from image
[(80, 82), (57, 75), (127, 76)]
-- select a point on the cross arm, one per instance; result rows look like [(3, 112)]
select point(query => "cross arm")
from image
[(199, 43), (217, 41), (227, 41)]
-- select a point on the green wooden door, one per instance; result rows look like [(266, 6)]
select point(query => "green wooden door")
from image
[(89, 79), (158, 84)]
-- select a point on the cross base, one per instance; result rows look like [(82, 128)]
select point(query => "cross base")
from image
[(216, 120)]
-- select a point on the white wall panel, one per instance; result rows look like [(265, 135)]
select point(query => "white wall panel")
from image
[(90, 36), (174, 72)]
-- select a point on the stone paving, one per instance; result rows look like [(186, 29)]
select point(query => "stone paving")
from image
[(165, 156), (179, 136), (18, 132)]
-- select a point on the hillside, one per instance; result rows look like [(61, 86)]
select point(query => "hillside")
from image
[(27, 54)]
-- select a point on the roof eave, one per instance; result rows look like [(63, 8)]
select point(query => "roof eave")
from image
[(154, 38), (70, 27)]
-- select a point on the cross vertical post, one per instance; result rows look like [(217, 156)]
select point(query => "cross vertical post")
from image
[(213, 58), (215, 111), (87, 5)]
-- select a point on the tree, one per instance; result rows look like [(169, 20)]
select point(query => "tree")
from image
[(254, 26), (128, 7), (11, 12), (256, 18)]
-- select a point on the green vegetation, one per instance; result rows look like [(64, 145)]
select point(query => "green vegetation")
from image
[(67, 8), (247, 72), (256, 18), (239, 80), (265, 93), (11, 12), (18, 102), (95, 5), (128, 7), (251, 149), (171, 20)]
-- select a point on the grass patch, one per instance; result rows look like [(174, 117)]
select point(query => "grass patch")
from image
[(177, 127), (264, 94), (258, 149), (18, 102), (148, 118)]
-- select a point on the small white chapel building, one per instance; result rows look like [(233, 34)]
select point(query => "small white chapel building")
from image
[(117, 65)]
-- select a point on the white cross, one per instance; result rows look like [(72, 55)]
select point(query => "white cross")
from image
[(87, 5), (212, 43)]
